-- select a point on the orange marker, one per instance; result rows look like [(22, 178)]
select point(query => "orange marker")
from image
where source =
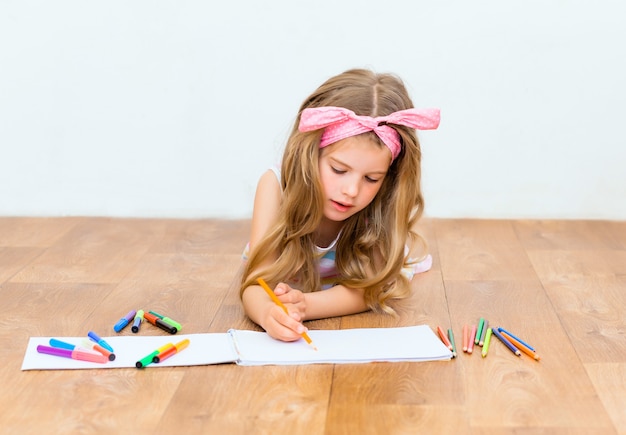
[(173, 349), (465, 337), (521, 346), (277, 301), (470, 343), (443, 337)]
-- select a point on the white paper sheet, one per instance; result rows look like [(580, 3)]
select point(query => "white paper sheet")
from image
[(203, 349), (413, 343)]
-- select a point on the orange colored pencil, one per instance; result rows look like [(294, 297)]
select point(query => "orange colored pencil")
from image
[(465, 337), (444, 338), (521, 346), (277, 301)]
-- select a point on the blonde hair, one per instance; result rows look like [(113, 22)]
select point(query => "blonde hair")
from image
[(370, 252)]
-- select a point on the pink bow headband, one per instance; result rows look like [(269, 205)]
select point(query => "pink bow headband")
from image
[(339, 123)]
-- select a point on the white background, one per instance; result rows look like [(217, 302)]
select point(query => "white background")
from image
[(174, 109)]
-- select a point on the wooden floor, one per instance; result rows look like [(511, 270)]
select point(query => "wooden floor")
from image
[(561, 285)]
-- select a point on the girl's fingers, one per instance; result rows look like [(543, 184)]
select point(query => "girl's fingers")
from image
[(289, 323)]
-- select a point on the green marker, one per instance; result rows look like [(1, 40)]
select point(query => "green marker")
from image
[(146, 360), (484, 334), (169, 321), (479, 330), (451, 338)]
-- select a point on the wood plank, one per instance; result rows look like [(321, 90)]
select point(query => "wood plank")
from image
[(524, 392), (19, 232), (14, 259), (559, 284), (480, 250), (92, 401), (588, 296), (520, 388), (95, 250), (571, 235), (189, 288), (610, 382), (243, 400), (204, 236)]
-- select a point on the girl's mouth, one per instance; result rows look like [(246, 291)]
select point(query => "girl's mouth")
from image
[(340, 206)]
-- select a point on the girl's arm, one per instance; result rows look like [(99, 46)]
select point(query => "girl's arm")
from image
[(257, 305), (335, 301), (266, 204)]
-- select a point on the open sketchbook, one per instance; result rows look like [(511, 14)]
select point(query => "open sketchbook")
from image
[(412, 343)]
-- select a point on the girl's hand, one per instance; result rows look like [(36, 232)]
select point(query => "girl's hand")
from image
[(293, 299), (283, 326)]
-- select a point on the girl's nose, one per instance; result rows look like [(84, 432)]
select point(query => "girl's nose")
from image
[(350, 188)]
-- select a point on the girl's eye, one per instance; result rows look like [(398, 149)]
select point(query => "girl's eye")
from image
[(372, 180), (337, 171)]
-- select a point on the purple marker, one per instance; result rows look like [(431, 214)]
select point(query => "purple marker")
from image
[(124, 321), (73, 354)]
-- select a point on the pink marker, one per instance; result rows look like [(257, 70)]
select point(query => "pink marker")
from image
[(472, 336), (74, 354)]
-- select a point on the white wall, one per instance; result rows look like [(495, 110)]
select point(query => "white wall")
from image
[(173, 109)]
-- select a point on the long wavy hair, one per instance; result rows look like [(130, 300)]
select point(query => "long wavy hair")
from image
[(370, 252)]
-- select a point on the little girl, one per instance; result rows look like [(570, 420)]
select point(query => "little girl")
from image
[(332, 231)]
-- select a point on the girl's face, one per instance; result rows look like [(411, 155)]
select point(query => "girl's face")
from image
[(352, 172)]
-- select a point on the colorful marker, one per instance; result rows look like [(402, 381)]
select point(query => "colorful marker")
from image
[(171, 322), (149, 359), (517, 338), (174, 349), (451, 338), (146, 360), (88, 344), (73, 354), (137, 321), (124, 321), (479, 330), (506, 342), (160, 323), (100, 341), (486, 343), (481, 342)]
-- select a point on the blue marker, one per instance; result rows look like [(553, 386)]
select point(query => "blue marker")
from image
[(100, 341), (124, 321), (61, 344)]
